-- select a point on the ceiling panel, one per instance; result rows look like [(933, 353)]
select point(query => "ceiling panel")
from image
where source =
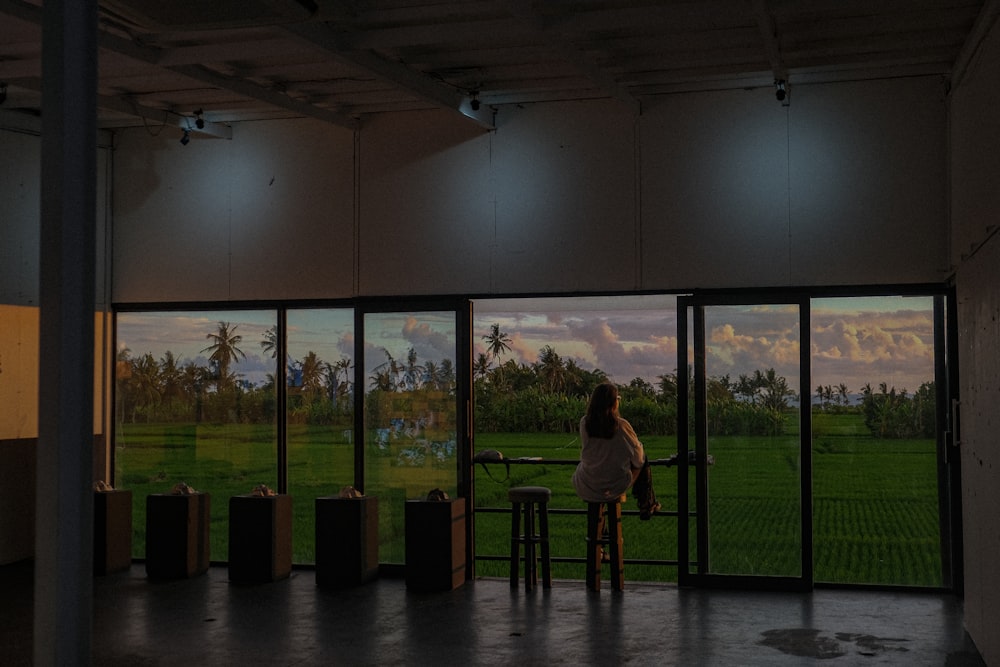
[(342, 61)]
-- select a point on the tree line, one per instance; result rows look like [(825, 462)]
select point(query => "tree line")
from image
[(548, 395), (551, 394)]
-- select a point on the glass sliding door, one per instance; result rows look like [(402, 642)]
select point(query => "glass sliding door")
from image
[(751, 474), (319, 409), (411, 417), (875, 450), (820, 437)]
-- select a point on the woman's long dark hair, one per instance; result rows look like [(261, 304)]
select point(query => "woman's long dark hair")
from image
[(602, 411)]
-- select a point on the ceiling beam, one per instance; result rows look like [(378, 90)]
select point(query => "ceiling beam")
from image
[(524, 11), (988, 15), (239, 86), (769, 33), (152, 56), (164, 117), (272, 97), (416, 83)]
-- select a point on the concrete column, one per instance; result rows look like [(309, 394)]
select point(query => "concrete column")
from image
[(64, 500)]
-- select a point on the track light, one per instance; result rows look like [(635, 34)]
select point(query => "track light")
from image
[(199, 122), (3, 92), (780, 90), (186, 138), (474, 102)]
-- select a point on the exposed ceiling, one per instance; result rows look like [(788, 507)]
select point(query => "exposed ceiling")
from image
[(161, 61)]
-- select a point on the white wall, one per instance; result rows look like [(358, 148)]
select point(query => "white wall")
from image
[(266, 215), (975, 214), (721, 189), (846, 185)]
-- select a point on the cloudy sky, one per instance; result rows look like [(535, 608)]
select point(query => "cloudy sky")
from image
[(854, 341)]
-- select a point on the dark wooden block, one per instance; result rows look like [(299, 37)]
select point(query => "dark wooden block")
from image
[(435, 544), (112, 531), (177, 528), (260, 538), (346, 541)]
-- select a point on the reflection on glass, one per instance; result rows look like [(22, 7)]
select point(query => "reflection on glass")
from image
[(874, 446), (752, 368), (194, 403), (320, 380), (410, 415)]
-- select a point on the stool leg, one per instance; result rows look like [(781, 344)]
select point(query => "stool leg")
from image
[(530, 560), (615, 546), (543, 536), (594, 527), (515, 540)]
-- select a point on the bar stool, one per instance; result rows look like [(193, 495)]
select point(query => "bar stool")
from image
[(529, 497), (597, 514)]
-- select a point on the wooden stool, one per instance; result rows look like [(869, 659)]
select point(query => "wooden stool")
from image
[(529, 497), (597, 514)]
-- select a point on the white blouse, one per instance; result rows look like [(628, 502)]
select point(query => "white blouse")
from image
[(606, 464)]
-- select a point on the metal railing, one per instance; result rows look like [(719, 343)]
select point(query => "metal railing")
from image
[(537, 460)]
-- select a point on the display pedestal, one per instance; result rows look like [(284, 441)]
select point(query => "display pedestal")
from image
[(112, 531), (177, 527), (435, 544), (260, 538), (346, 541)]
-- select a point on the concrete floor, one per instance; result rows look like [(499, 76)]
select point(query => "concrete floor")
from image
[(208, 621)]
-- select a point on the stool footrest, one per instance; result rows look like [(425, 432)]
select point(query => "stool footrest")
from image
[(529, 501)]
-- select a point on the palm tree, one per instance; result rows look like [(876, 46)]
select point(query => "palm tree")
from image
[(497, 342), (844, 394), (312, 374), (430, 374), (170, 378), (386, 377), (412, 371), (344, 366), (446, 375), (270, 342), (551, 369), (225, 350), (481, 367), (775, 388), (144, 384)]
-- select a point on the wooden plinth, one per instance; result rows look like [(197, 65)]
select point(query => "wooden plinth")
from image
[(435, 544), (112, 531), (346, 541), (260, 538), (177, 528)]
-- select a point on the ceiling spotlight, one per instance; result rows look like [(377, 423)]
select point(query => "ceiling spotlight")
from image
[(186, 138), (199, 122), (474, 102), (3, 92), (780, 90)]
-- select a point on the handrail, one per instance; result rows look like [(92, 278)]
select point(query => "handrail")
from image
[(668, 462)]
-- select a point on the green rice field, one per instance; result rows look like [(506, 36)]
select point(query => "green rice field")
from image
[(875, 502)]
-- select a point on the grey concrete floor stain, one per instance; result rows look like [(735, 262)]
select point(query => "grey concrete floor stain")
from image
[(810, 643)]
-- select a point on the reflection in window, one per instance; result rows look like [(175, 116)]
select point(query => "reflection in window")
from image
[(410, 415), (194, 403), (320, 381)]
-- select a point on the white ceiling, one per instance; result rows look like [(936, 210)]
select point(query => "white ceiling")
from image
[(161, 61)]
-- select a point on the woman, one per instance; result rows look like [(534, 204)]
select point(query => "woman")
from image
[(612, 459)]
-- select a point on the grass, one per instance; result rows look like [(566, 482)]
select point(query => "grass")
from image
[(875, 501)]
